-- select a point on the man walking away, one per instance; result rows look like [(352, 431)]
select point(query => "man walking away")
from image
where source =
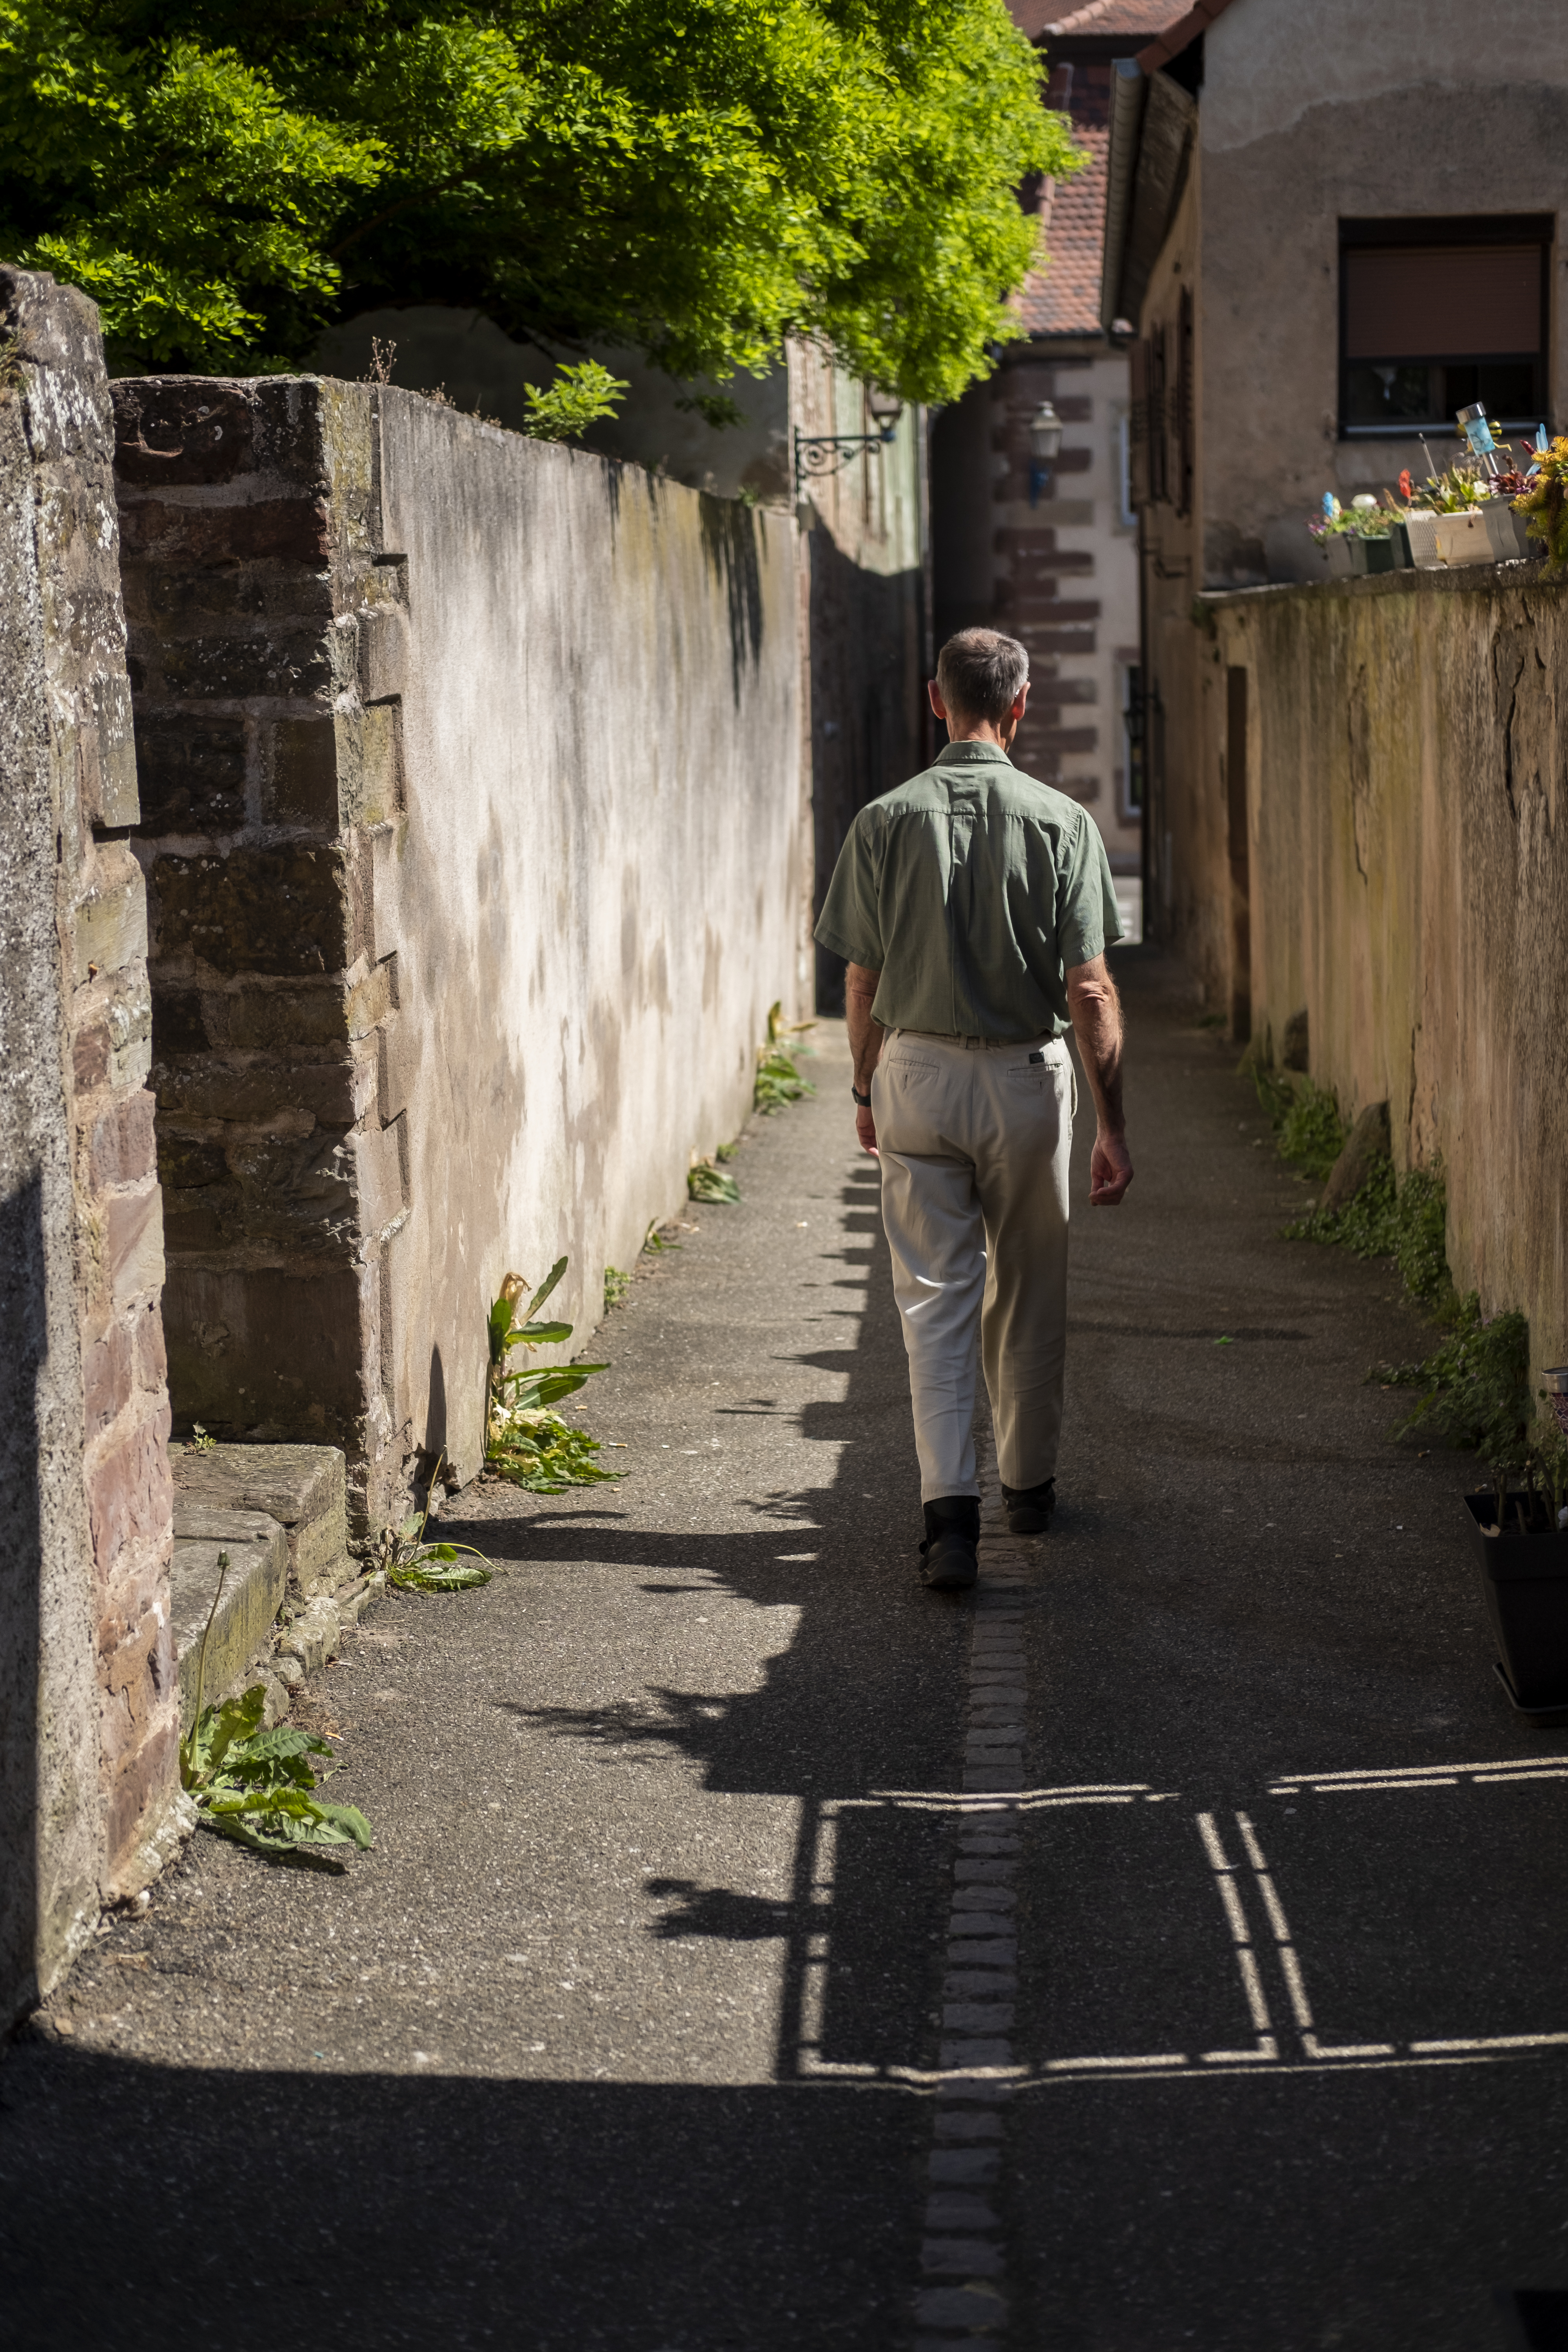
[(973, 906)]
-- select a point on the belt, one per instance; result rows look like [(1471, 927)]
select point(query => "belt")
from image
[(979, 1044)]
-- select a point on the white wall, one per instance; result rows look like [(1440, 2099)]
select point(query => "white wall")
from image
[(596, 891)]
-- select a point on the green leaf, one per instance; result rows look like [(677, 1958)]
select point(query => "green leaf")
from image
[(528, 1391), (545, 1287), (539, 1334)]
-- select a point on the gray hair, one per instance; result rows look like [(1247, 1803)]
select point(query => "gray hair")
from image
[(980, 674)]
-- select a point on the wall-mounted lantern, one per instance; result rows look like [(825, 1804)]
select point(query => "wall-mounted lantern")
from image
[(1045, 446), (825, 453)]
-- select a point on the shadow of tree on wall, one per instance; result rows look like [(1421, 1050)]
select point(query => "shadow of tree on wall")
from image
[(730, 531)]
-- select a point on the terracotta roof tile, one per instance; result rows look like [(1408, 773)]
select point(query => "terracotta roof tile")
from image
[(1138, 20), (1063, 297)]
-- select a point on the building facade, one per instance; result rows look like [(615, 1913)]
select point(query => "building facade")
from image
[(1332, 227), (1050, 554)]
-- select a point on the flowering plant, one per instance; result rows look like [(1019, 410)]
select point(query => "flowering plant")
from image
[(1544, 499), (1362, 519)]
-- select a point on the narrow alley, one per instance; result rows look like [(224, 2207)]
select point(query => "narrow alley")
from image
[(1161, 1948)]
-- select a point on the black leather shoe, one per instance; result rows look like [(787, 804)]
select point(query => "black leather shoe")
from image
[(951, 1552), (1029, 1509)]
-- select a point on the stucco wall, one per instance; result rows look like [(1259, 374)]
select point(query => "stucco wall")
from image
[(1407, 756), (594, 894), (86, 1722), (476, 852), (1415, 107)]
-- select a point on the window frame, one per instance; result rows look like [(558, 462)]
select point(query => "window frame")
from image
[(1409, 234)]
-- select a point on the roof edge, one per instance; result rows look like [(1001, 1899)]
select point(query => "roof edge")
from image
[(1182, 35)]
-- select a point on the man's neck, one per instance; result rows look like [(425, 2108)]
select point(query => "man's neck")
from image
[(980, 731)]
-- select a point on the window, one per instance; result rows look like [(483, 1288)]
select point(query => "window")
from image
[(1436, 314)]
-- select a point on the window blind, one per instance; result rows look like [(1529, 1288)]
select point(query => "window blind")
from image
[(1442, 302)]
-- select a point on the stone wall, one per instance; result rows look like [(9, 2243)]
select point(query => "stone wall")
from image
[(88, 1723), (476, 852), (1398, 754)]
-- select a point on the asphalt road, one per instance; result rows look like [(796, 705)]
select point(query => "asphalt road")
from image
[(590, 2056)]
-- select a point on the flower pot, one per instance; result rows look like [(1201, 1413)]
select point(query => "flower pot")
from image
[(1338, 554), (1525, 1580), (1467, 538), (1382, 554)]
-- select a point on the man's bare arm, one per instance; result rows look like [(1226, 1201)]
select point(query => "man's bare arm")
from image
[(866, 1037), (1096, 1011)]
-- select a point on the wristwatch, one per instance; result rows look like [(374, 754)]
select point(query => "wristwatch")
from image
[(864, 1101)]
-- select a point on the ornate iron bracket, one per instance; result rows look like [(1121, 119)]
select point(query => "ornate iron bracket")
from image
[(825, 453)]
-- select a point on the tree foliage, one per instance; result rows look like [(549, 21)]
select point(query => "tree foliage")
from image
[(696, 177)]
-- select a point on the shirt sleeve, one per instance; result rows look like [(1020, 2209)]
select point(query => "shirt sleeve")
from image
[(850, 923), (1088, 918)]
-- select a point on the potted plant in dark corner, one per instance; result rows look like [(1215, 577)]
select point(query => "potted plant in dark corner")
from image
[(1518, 1527), (1477, 1397)]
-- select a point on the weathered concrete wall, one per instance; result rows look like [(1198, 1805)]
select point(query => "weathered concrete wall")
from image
[(476, 852), (1408, 840), (1309, 114), (87, 1726)]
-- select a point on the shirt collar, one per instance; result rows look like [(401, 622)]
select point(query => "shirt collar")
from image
[(952, 755)]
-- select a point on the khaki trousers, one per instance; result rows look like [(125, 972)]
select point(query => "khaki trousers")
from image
[(974, 1139)]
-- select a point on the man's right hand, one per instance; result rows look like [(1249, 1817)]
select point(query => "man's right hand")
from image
[(1110, 1170)]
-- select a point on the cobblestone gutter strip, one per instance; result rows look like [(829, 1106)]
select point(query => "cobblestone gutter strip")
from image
[(962, 2293)]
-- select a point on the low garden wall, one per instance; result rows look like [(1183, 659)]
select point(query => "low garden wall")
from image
[(1404, 743), (476, 845)]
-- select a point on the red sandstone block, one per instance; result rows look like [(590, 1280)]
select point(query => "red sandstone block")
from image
[(121, 1147), (151, 1360), (1069, 739), (288, 531), (137, 1791), (108, 1378), (90, 1049), (282, 910), (174, 430), (1061, 641), (133, 1241), (131, 1499)]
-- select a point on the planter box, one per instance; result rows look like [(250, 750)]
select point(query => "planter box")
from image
[(1489, 534), (1524, 1579), (1337, 554)]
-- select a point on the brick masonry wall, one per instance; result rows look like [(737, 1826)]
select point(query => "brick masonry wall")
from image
[(60, 496), (265, 643)]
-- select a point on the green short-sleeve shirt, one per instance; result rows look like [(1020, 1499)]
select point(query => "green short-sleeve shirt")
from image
[(973, 890)]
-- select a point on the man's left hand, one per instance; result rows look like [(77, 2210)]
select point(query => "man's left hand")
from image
[(1109, 1171), (866, 1129)]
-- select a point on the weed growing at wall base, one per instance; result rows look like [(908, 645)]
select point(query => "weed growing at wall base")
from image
[(1406, 1222), (1308, 1129), (255, 1786), (525, 1442), (706, 1183), (406, 1560)]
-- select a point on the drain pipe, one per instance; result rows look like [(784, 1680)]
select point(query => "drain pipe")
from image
[(1128, 89)]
